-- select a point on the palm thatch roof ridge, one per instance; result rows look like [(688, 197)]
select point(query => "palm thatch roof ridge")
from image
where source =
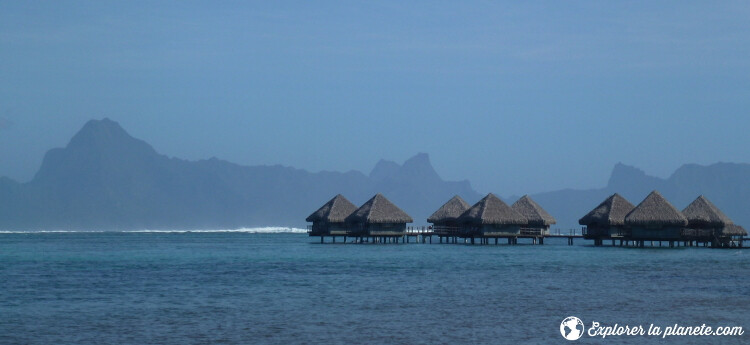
[(492, 210), (733, 230), (334, 211), (534, 213), (379, 210), (450, 211), (655, 211), (702, 212), (611, 212)]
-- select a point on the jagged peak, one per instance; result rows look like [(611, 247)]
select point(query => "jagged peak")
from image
[(420, 158), (96, 140), (621, 168), (384, 169), (105, 134), (97, 128), (420, 165), (627, 175)]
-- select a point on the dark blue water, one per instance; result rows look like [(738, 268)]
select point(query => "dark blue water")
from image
[(232, 288)]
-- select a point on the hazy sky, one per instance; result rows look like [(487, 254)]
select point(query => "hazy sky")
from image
[(517, 98)]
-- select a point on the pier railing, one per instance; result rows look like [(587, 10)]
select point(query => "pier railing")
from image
[(697, 233), (531, 232), (567, 232), (448, 230), (419, 230)]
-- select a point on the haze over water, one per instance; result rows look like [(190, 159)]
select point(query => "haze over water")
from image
[(238, 287)]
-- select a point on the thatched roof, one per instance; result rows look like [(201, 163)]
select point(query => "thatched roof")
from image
[(534, 213), (610, 212), (379, 210), (492, 210), (655, 211), (733, 230), (450, 211), (334, 211), (703, 213)]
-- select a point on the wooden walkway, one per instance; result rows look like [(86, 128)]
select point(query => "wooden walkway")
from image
[(425, 234)]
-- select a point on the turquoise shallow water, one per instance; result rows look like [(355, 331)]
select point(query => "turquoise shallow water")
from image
[(231, 288)]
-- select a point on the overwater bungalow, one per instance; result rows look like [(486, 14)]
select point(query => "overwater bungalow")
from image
[(538, 219), (655, 219), (707, 223), (379, 217), (606, 221), (445, 219), (330, 219), (491, 217)]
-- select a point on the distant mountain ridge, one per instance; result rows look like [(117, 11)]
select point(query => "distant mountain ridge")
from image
[(727, 185), (105, 179)]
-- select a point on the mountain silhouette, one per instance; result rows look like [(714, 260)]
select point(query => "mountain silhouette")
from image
[(727, 185), (107, 180)]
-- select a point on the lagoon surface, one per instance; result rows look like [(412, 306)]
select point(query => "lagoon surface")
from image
[(281, 288)]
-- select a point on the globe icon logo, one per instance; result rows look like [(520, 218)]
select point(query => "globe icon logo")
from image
[(571, 328)]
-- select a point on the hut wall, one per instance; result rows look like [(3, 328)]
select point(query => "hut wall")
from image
[(700, 233), (617, 231), (358, 229), (338, 229), (447, 228), (500, 230), (666, 233), (325, 228), (596, 231), (386, 229), (543, 229), (319, 228)]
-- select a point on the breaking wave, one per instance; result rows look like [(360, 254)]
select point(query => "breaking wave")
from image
[(261, 230)]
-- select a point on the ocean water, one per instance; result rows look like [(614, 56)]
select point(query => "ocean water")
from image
[(285, 288)]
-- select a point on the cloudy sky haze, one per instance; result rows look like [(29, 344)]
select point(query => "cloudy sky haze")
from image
[(517, 98)]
